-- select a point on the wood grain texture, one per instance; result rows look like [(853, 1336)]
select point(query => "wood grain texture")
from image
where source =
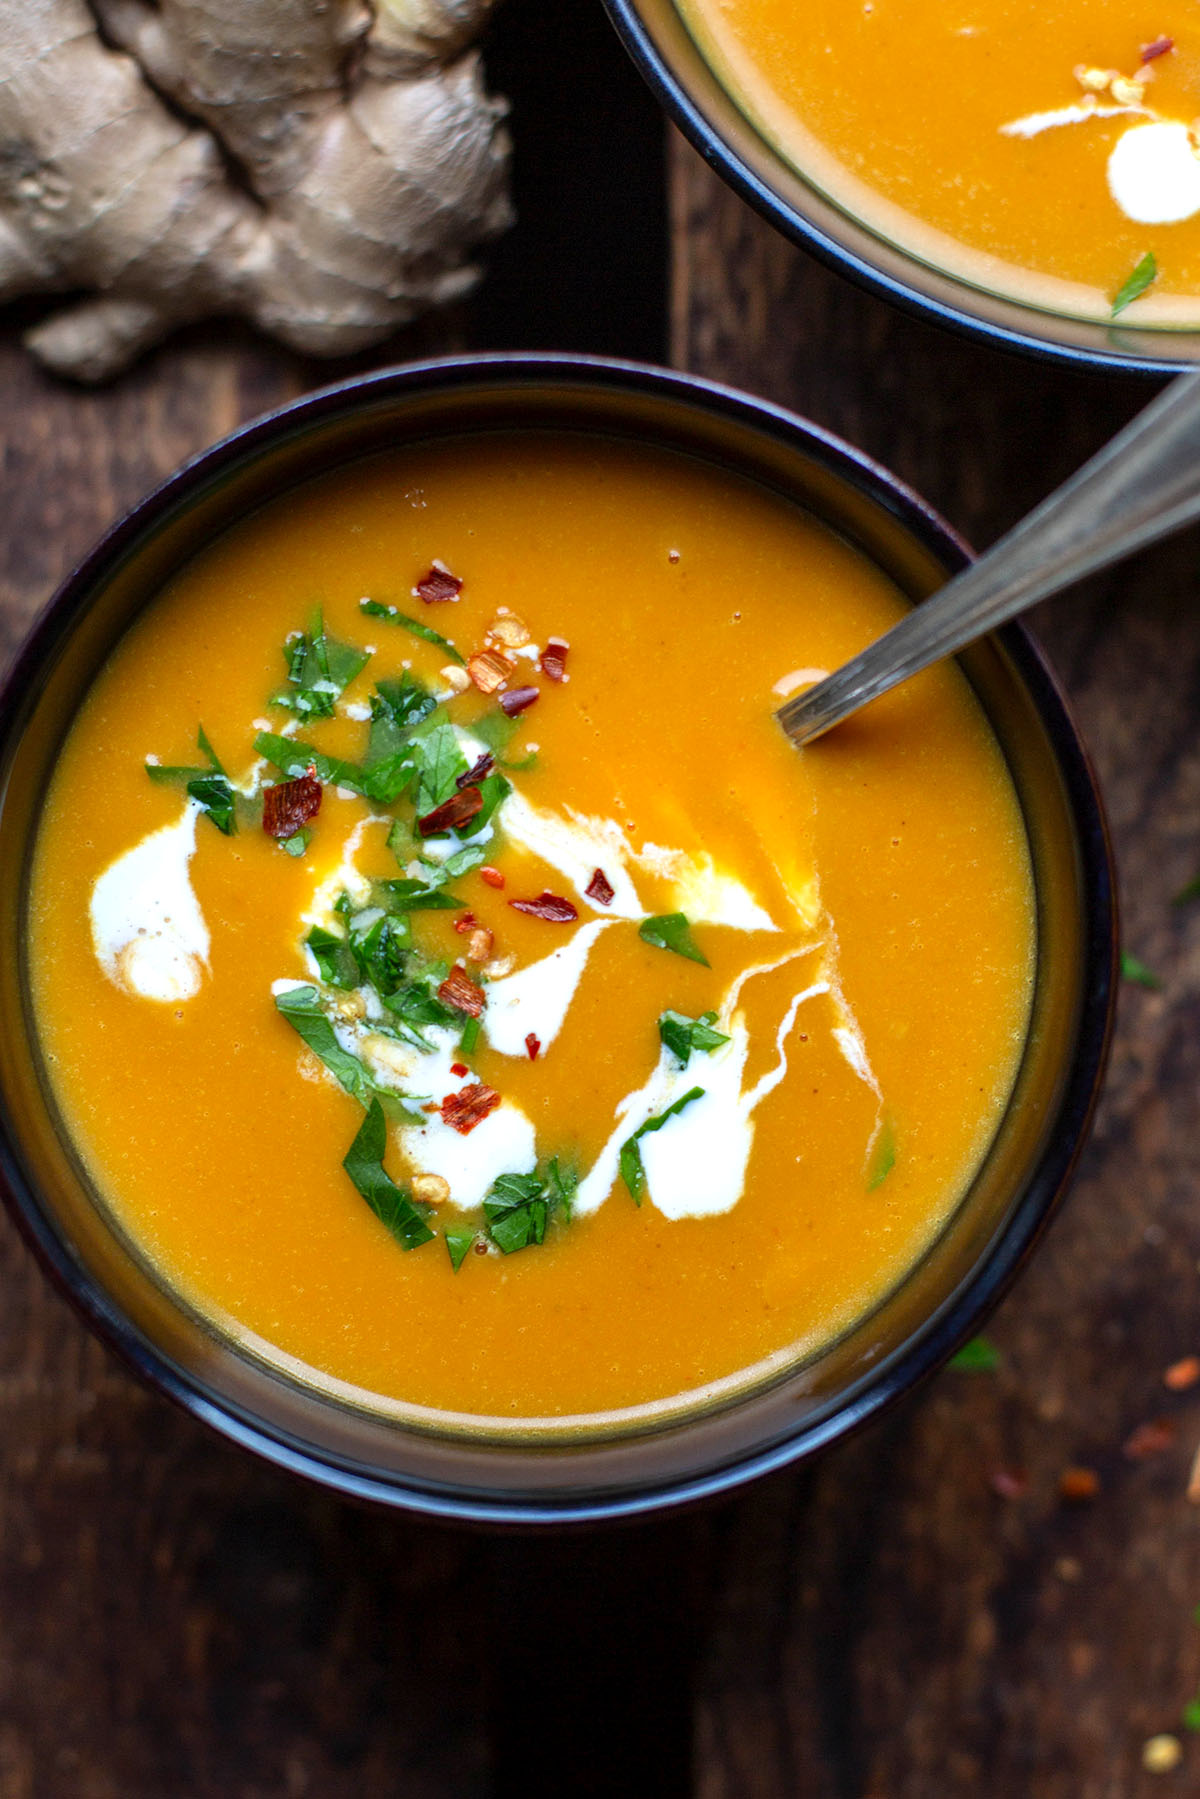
[(886, 1626)]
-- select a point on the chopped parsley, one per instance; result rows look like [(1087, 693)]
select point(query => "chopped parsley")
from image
[(672, 931), (978, 1356), (632, 1171), (393, 615), (883, 1154), (319, 668), (1138, 972), (1141, 276), (391, 1205), (459, 1243), (301, 1006), (519, 1207), (210, 787), (682, 1035)]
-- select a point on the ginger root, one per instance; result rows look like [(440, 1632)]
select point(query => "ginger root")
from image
[(324, 167)]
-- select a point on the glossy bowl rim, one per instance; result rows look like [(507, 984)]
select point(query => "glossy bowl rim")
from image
[(979, 1292), (678, 103)]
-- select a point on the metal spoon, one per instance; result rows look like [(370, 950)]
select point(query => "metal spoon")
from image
[(1140, 487)]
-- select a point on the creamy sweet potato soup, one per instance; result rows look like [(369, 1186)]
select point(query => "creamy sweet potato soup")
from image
[(456, 984), (1044, 148)]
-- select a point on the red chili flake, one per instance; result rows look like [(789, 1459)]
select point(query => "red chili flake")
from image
[(1182, 1375), (469, 1106), (1149, 1439), (452, 814), (484, 766), (461, 992), (466, 921), (459, 1068), (1161, 46), (1078, 1485), (438, 586), (290, 805), (1009, 1483), (554, 658), (600, 888), (518, 699), (491, 875), (533, 1044), (548, 906), (489, 669)]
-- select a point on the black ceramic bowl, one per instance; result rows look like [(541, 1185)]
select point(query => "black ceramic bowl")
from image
[(547, 1476), (668, 57)]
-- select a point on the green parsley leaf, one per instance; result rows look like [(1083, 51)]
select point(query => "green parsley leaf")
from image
[(672, 931), (1138, 973), (682, 1034), (1141, 276), (297, 843), (292, 758), (319, 669), (883, 1155), (391, 1205), (470, 1036), (519, 1207), (458, 1246), (439, 762), (495, 730), (380, 946), (632, 1171), (416, 1007), (1187, 894), (334, 958), (978, 1356), (494, 788), (301, 1006), (393, 615), (472, 855), (210, 786), (408, 895)]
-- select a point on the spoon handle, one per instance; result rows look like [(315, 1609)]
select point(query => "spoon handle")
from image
[(1142, 485)]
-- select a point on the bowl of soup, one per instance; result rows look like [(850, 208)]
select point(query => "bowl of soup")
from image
[(1029, 174), (453, 1043)]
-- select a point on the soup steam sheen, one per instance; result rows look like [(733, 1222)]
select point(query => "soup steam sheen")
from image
[(456, 986)]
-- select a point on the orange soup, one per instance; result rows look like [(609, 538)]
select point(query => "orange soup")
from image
[(479, 1006), (1044, 149)]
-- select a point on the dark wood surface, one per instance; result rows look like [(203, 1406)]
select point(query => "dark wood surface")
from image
[(179, 1622)]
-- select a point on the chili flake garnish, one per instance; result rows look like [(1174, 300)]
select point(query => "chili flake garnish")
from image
[(554, 658), (290, 805), (484, 766), (461, 992), (468, 1107), (489, 669), (519, 699), (600, 888), (533, 1044), (438, 586), (550, 906), (452, 814), (491, 876), (459, 1068), (1160, 46), (466, 921)]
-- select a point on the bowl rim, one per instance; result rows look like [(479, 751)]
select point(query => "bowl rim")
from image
[(978, 1293), (686, 112)]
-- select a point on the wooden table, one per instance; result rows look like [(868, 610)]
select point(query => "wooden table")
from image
[(921, 1616)]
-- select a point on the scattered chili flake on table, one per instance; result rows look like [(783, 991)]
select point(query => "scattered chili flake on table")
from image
[(438, 586), (1182, 1374), (600, 888), (550, 906), (462, 993), (468, 1107), (288, 806), (1076, 1485), (1148, 1439), (533, 1045)]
